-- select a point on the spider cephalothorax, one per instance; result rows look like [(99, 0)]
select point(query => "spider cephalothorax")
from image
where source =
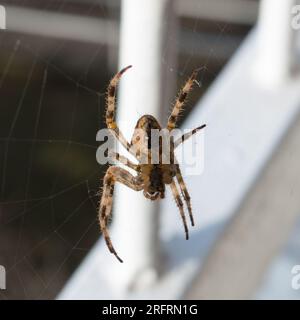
[(153, 173)]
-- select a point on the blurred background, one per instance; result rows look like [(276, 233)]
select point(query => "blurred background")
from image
[(56, 59)]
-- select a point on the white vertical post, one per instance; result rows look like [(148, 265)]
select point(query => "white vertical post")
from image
[(2, 17), (274, 59), (135, 227), (2, 278)]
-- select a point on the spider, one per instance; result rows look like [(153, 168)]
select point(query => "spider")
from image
[(151, 178)]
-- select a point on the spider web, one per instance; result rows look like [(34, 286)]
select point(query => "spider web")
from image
[(52, 105)]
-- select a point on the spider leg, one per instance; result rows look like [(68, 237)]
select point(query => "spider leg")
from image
[(112, 175), (180, 101), (111, 106), (187, 135), (185, 194), (180, 207), (117, 157)]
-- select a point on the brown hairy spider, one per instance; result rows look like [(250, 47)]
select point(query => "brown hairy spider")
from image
[(151, 178)]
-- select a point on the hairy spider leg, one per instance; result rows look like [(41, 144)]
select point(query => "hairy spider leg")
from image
[(185, 194), (180, 100), (112, 175), (187, 135), (111, 106), (180, 207), (115, 156)]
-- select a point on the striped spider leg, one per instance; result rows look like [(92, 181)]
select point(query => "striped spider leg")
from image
[(111, 106), (178, 106), (114, 174)]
